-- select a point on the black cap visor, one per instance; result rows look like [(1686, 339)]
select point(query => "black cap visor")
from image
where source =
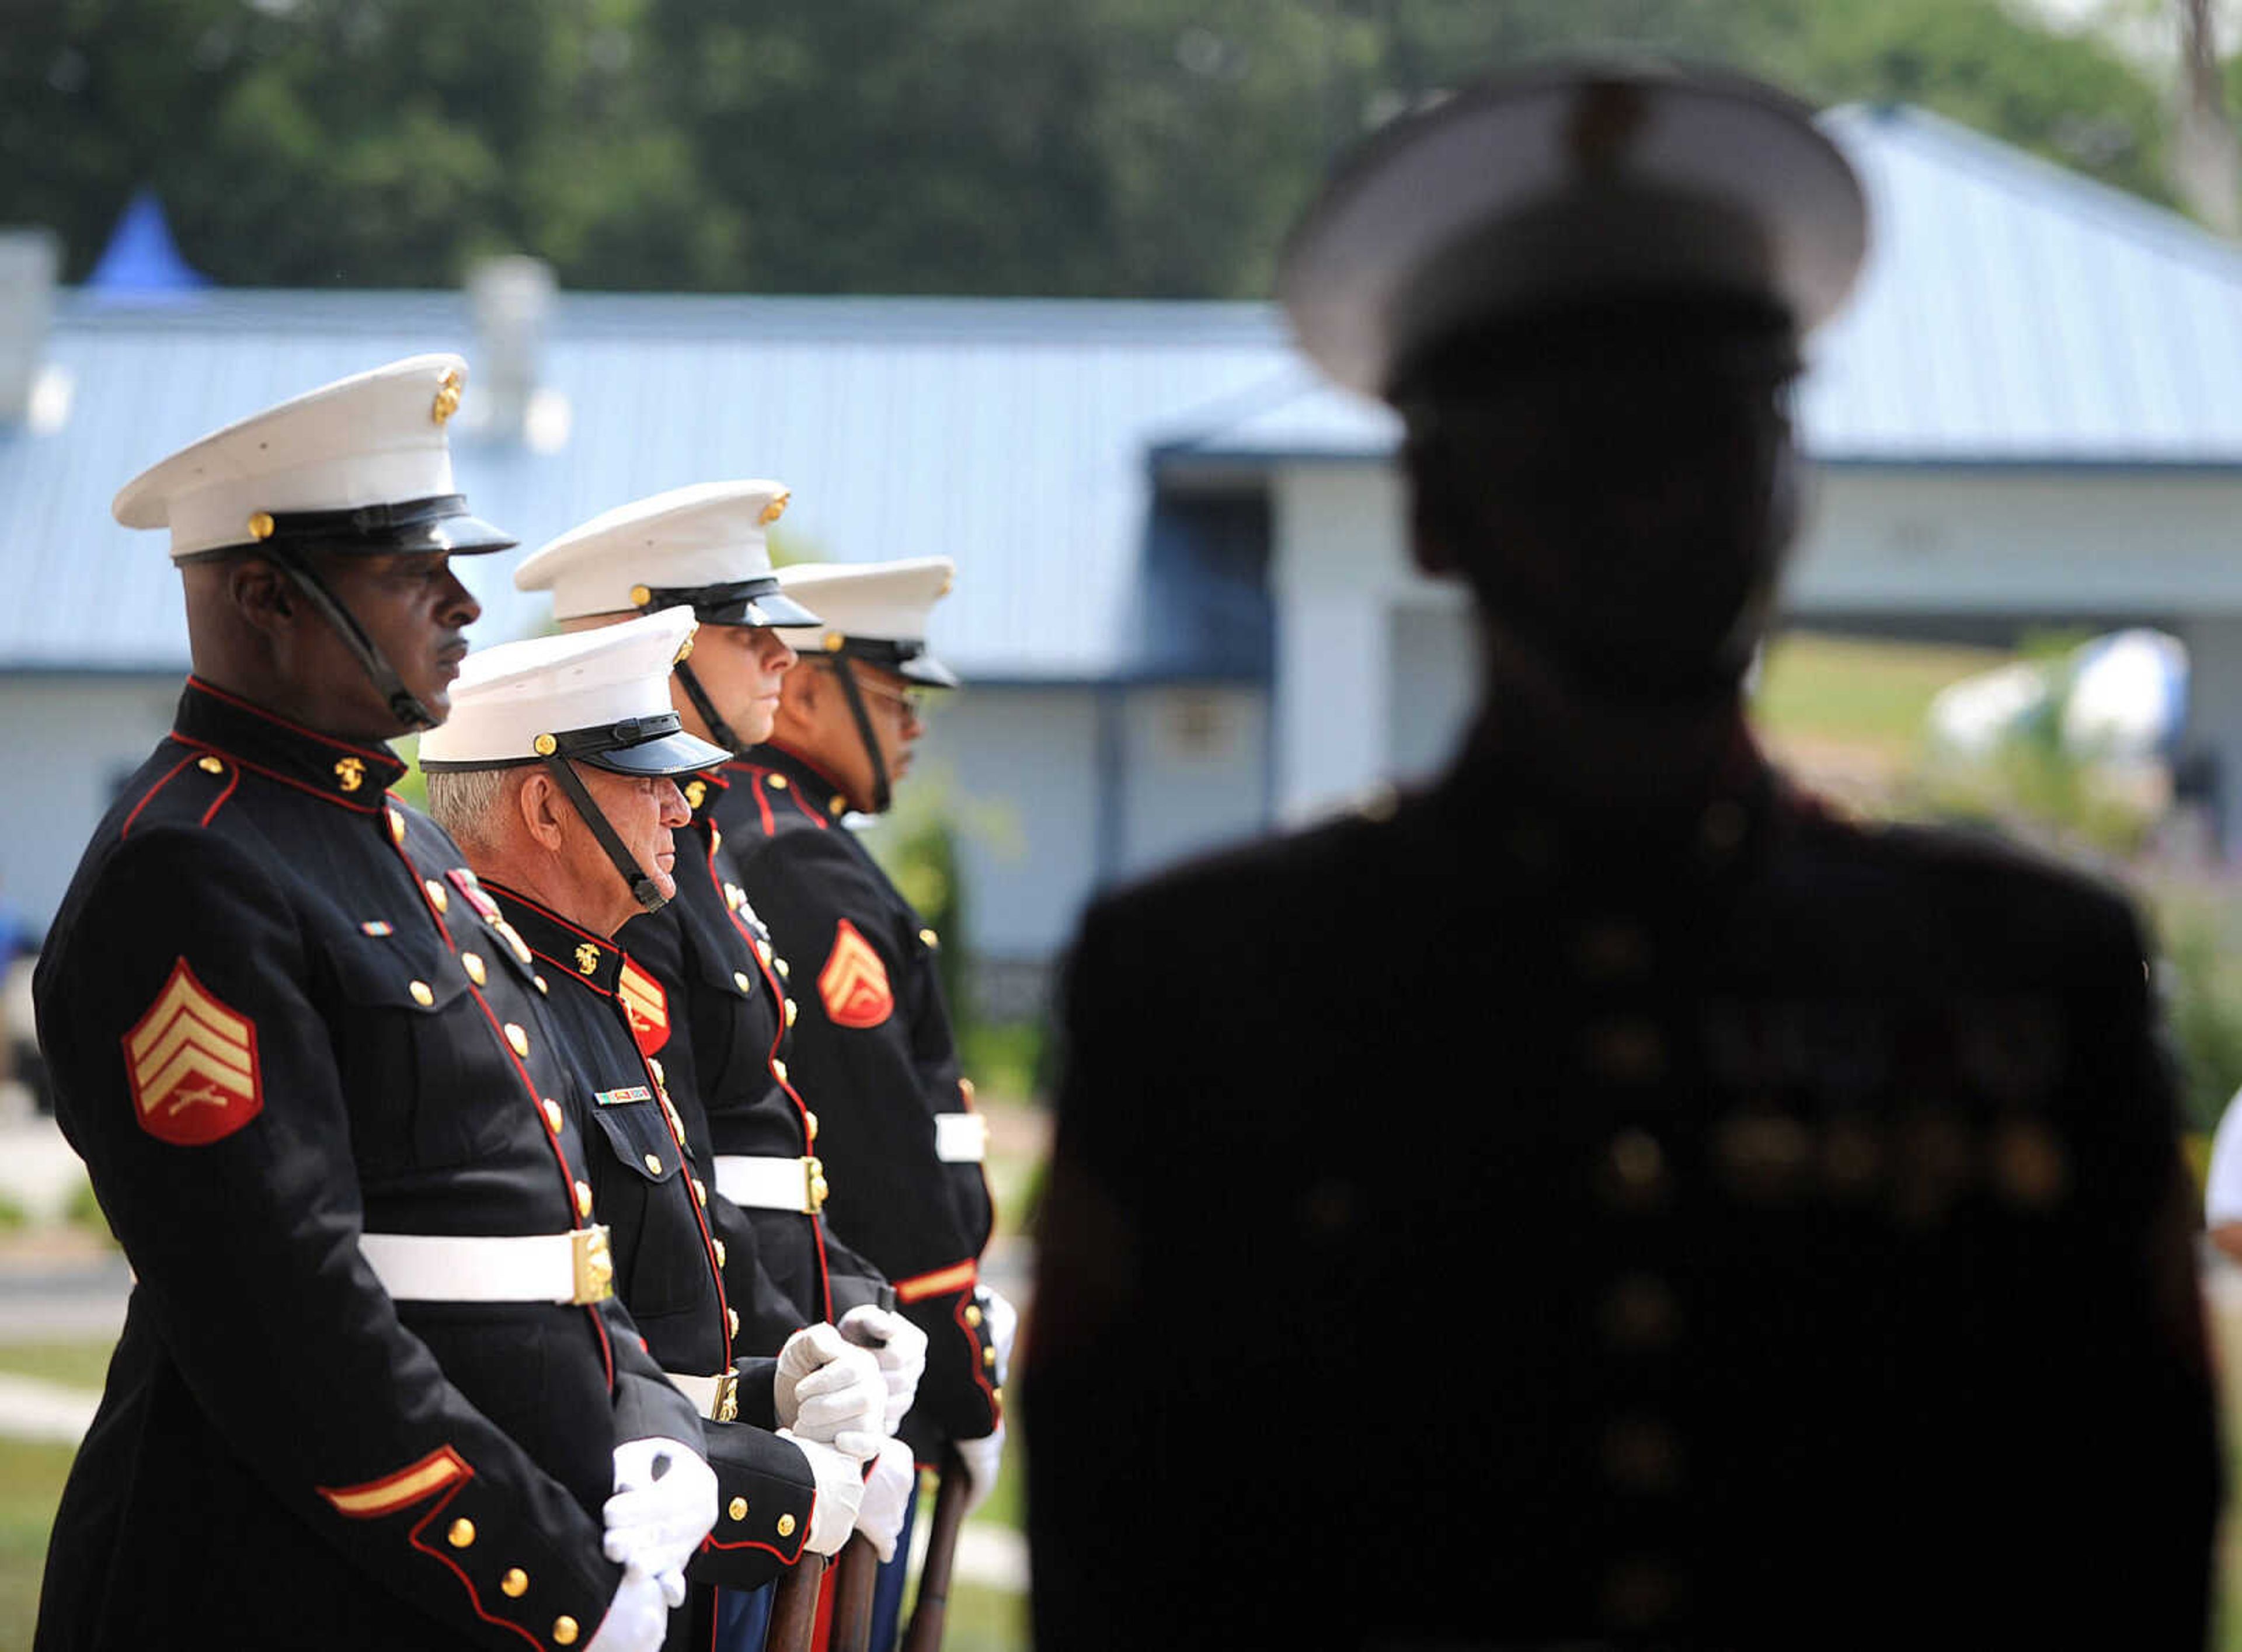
[(754, 602), (409, 527), (666, 754)]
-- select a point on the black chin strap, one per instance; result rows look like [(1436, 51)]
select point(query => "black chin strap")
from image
[(856, 698), (643, 889), (719, 730), (404, 705)]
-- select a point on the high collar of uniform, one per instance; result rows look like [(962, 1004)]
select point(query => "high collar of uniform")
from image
[(591, 960), (820, 793), (342, 772)]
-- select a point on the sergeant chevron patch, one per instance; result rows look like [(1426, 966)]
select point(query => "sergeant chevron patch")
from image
[(648, 1009), (854, 983), (192, 1062)]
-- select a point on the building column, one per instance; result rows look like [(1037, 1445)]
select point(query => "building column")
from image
[(2215, 717), (1337, 563)]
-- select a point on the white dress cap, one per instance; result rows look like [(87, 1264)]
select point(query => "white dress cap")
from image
[(706, 545), (376, 438), (600, 696), (874, 611), (1569, 186)]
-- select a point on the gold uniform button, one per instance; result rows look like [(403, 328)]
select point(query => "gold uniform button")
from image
[(473, 966), (792, 1010), (423, 994), (740, 979), (654, 1067), (785, 1524), (988, 1356), (778, 783), (539, 980), (396, 826), (738, 1510), (437, 898), (210, 766), (780, 965), (653, 1165), (564, 1631), (517, 1037), (972, 1313), (583, 1198), (700, 1190), (462, 1533), (778, 1071), (809, 1122), (722, 1260), (552, 1109), (930, 938), (515, 1584), (715, 835), (732, 1318)]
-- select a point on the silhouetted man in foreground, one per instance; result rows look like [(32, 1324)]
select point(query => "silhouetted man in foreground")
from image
[(1606, 1199)]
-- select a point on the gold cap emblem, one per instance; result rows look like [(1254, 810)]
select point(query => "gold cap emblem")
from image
[(776, 509), (350, 773), (588, 958), (449, 389)]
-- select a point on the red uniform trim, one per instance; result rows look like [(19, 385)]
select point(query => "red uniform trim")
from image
[(777, 990), (962, 1276), (232, 779), (125, 830), (474, 1596)]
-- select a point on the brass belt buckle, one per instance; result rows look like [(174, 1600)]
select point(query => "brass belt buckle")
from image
[(726, 1406), (592, 1268), (814, 1188)]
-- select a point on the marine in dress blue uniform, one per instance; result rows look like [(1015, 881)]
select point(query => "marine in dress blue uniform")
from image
[(873, 1041), (1802, 1195), (297, 1063), (566, 862)]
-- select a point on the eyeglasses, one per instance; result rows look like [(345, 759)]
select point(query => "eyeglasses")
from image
[(913, 700)]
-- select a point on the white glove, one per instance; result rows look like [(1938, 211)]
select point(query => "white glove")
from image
[(887, 1496), (1003, 1320), (840, 1495), (981, 1458), (637, 1618), (828, 1390), (899, 1346), (655, 1525)]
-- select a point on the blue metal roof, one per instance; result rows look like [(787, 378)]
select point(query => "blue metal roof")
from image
[(2011, 314), (1007, 434)]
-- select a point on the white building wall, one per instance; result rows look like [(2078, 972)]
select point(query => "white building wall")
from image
[(67, 743), (1194, 772), (2013, 542), (1017, 769)]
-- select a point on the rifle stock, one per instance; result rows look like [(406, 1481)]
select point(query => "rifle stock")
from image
[(926, 1624), (853, 1575), (794, 1606)]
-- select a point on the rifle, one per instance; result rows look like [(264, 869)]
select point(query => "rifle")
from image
[(794, 1606), (853, 1575), (926, 1624)]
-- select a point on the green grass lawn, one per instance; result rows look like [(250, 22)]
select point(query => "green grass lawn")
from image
[(30, 1485), (1858, 691)]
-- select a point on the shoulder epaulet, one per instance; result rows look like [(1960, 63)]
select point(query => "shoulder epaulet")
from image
[(191, 791)]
